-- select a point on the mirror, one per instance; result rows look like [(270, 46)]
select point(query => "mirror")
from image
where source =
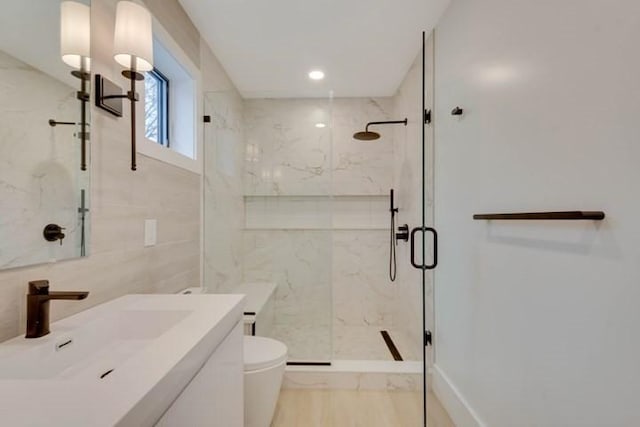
[(44, 131)]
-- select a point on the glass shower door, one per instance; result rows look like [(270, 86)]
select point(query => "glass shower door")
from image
[(429, 250), (413, 184)]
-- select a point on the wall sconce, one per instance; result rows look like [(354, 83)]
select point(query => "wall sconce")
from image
[(75, 49), (133, 49)]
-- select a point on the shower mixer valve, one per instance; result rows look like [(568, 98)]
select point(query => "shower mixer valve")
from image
[(403, 233)]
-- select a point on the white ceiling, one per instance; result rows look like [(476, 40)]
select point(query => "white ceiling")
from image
[(267, 47)]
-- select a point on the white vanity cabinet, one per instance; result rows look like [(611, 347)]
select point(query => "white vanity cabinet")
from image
[(214, 397), (136, 361)]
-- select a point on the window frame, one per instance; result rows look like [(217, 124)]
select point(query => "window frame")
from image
[(163, 107), (191, 159)]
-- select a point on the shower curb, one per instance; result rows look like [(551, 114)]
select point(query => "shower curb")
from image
[(356, 375)]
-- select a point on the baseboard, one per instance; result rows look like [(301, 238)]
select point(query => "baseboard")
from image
[(458, 408)]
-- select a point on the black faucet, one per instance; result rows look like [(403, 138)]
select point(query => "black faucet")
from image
[(38, 306)]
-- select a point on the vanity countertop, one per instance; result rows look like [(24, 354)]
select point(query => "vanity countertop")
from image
[(120, 363)]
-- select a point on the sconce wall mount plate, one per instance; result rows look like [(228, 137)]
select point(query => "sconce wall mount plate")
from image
[(108, 96)]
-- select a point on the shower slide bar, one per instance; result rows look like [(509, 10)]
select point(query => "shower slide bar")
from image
[(562, 215)]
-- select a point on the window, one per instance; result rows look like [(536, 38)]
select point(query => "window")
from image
[(170, 106), (156, 107)]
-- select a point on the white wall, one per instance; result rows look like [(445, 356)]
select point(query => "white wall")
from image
[(537, 322)]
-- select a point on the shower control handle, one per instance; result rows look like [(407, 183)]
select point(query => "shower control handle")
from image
[(403, 233), (435, 248), (53, 232)]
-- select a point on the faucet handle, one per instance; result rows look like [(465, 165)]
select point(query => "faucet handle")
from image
[(39, 287)]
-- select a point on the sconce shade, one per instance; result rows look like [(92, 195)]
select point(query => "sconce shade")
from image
[(133, 40), (75, 34)]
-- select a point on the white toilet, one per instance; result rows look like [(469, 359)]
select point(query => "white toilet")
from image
[(264, 363)]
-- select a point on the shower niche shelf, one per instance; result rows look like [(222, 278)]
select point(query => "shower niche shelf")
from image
[(316, 229), (312, 196), (317, 212)]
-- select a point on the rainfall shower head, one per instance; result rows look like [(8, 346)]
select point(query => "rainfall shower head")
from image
[(368, 135)]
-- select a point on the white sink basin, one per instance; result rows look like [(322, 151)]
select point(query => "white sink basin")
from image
[(120, 363), (91, 349)]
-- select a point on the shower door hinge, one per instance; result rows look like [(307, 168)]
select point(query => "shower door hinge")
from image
[(427, 338), (427, 117)]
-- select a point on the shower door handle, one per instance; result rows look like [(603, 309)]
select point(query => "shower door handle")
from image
[(435, 248)]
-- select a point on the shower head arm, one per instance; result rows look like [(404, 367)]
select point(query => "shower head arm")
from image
[(391, 122)]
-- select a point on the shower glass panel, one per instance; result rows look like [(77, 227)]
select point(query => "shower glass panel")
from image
[(282, 222), (223, 211)]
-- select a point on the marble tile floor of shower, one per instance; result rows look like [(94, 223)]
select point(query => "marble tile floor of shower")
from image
[(366, 343), (349, 342), (357, 408)]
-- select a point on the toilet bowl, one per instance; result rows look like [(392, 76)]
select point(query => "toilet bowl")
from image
[(264, 363)]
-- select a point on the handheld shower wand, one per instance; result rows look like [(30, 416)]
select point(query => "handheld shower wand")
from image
[(393, 267), (402, 234)]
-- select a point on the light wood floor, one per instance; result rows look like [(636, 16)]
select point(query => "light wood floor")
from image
[(354, 408)]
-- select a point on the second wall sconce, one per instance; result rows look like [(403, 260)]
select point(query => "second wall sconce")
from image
[(133, 49)]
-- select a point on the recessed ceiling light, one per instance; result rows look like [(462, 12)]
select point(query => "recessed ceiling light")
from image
[(321, 125), (316, 75)]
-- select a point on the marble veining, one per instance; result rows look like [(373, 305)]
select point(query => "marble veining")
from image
[(299, 262), (286, 154)]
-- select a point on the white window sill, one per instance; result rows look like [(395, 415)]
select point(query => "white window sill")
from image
[(156, 151)]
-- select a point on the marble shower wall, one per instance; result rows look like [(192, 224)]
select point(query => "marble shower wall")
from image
[(317, 221), (223, 190), (299, 262), (40, 177), (288, 155), (362, 293), (361, 168)]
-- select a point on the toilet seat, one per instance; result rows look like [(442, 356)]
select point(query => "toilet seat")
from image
[(261, 353)]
